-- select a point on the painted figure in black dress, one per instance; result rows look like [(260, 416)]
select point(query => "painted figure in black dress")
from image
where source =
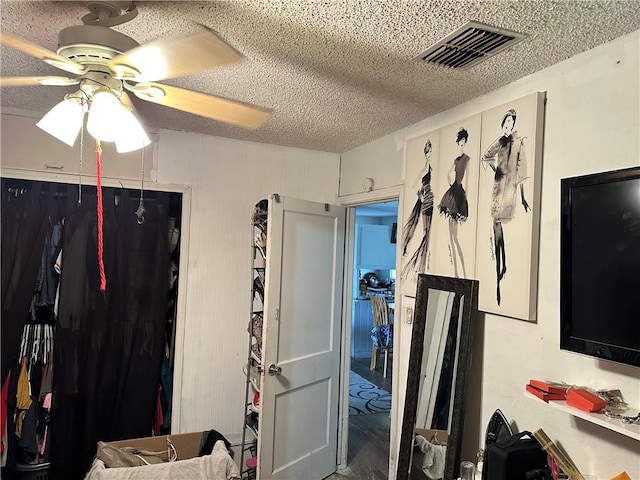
[(423, 208), (453, 204), (506, 157)]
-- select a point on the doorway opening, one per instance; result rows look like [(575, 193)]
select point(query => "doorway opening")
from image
[(373, 275)]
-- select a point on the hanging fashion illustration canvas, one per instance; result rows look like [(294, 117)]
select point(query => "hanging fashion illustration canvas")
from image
[(508, 207), (420, 189), (456, 204)]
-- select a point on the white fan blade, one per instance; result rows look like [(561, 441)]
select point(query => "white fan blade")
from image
[(174, 57), (47, 80), (58, 61), (209, 106)]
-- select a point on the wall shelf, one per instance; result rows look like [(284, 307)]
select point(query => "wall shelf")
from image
[(600, 419)]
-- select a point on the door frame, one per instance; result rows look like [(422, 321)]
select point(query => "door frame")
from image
[(353, 201)]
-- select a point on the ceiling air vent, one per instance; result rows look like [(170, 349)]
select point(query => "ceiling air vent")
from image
[(469, 45)]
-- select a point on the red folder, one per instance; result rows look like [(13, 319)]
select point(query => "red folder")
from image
[(546, 396), (585, 400), (549, 387)]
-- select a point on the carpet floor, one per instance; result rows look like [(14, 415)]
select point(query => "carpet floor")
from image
[(365, 397)]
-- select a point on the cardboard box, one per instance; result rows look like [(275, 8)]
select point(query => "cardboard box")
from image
[(187, 444), (188, 463)]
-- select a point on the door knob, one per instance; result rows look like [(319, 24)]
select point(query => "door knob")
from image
[(274, 370)]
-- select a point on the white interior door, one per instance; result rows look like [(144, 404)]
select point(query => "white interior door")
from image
[(303, 308)]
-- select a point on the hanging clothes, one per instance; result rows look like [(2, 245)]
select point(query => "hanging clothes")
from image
[(11, 439), (31, 232), (22, 236), (29, 409), (167, 394), (24, 389), (47, 282)]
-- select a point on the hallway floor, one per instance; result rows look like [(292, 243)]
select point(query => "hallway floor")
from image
[(368, 451), (361, 367)]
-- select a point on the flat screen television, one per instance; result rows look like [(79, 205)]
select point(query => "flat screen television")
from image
[(600, 265)]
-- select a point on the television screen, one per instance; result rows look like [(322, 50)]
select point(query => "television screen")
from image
[(600, 267)]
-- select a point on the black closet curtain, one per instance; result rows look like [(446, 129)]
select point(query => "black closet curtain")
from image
[(24, 224), (108, 346)]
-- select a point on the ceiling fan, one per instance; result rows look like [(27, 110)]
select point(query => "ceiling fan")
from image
[(103, 60)]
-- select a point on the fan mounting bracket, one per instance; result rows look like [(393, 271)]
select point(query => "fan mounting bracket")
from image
[(90, 44), (109, 13)]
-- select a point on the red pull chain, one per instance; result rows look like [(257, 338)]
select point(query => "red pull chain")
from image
[(103, 278)]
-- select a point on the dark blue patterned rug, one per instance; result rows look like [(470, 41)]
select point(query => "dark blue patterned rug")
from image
[(365, 397)]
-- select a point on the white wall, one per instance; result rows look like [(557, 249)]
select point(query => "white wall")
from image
[(228, 177), (592, 124), (380, 160)]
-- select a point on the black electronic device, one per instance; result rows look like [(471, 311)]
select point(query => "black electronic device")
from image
[(600, 265)]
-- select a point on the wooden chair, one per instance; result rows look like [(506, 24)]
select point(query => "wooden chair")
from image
[(380, 317)]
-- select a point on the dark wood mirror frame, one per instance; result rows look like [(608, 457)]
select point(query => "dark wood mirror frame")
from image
[(469, 290)]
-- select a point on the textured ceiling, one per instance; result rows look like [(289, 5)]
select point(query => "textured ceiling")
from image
[(337, 73)]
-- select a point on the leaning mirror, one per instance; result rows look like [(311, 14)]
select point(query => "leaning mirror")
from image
[(439, 361)]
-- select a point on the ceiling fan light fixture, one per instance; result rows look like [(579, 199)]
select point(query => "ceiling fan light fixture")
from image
[(64, 121), (106, 115), (132, 136), (106, 62)]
